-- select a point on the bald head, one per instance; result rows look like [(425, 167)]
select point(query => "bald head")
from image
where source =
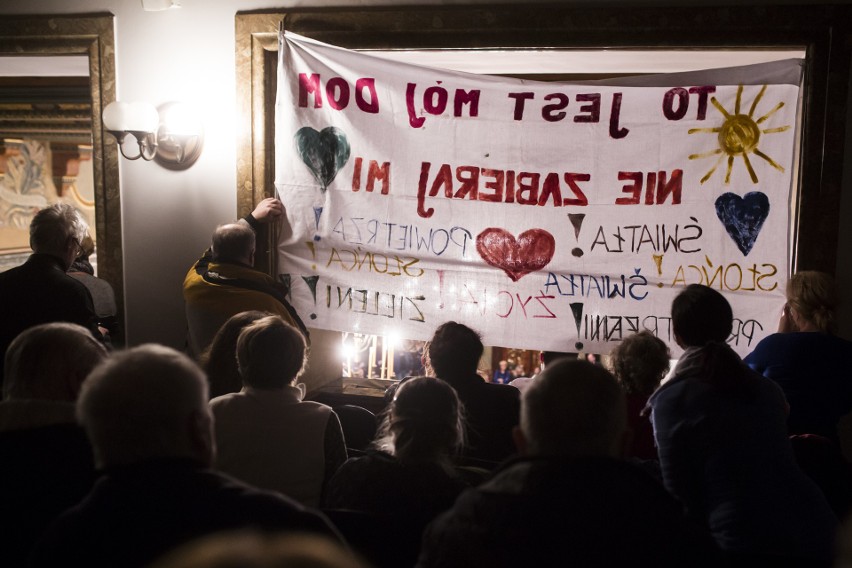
[(146, 403), (50, 361), (573, 408), (234, 242)]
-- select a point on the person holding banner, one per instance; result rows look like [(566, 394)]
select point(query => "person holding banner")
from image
[(721, 434), (224, 283), (811, 364)]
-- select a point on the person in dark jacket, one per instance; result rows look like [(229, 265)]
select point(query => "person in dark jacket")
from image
[(47, 460), (806, 358), (724, 452), (409, 477), (40, 291), (570, 500), (410, 470), (491, 410), (145, 412)]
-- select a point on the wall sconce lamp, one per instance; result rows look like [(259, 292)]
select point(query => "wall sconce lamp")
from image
[(171, 135)]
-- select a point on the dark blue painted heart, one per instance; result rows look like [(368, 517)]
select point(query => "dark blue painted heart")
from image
[(323, 152), (743, 217)]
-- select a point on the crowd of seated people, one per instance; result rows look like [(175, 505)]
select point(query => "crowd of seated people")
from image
[(568, 499), (146, 414), (147, 458), (549, 469)]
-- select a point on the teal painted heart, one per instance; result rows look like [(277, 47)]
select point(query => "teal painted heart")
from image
[(325, 153)]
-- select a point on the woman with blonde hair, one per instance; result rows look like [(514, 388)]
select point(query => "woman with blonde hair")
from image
[(811, 364)]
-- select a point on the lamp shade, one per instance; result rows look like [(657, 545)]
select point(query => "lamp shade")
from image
[(115, 115), (131, 117), (143, 118)]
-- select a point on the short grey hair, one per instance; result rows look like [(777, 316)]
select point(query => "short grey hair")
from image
[(50, 362), (573, 408), (233, 242), (52, 226), (137, 404)]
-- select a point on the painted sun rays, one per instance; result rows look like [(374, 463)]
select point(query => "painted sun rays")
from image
[(739, 135)]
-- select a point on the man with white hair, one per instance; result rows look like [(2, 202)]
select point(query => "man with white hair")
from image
[(145, 412), (40, 291), (570, 500)]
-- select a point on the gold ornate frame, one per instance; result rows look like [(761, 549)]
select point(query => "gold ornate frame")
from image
[(91, 35), (257, 60), (817, 29)]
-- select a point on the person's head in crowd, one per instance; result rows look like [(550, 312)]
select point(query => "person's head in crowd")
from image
[(58, 230), (146, 403), (234, 242), (519, 370), (455, 350), (81, 263), (573, 409), (812, 301), (701, 315), (423, 423), (548, 357), (425, 362), (50, 362), (640, 362), (271, 353), (219, 360), (703, 318), (503, 366), (252, 549)]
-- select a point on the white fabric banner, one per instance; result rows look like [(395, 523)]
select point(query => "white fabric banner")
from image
[(544, 215)]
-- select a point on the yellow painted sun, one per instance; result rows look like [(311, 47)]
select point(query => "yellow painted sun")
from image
[(739, 135)]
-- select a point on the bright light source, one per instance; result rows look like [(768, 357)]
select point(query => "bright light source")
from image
[(347, 351), (394, 338)]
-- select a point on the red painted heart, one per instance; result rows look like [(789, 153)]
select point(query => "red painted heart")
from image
[(531, 251)]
